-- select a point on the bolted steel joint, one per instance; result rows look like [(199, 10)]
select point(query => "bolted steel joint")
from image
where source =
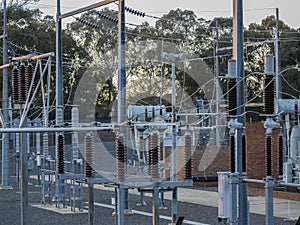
[(269, 125), (233, 124)]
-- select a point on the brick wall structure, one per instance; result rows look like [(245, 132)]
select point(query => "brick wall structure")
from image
[(207, 161), (256, 141)]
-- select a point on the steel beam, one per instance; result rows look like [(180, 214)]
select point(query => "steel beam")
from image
[(5, 139), (87, 8), (52, 129)]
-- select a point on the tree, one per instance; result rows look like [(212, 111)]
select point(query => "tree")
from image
[(31, 32)]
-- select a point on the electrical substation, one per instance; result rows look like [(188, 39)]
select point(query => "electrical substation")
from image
[(154, 147)]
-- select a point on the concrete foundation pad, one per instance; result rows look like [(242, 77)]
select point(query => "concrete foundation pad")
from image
[(61, 210), (4, 188)]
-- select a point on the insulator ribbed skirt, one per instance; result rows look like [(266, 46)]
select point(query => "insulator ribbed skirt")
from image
[(120, 158), (269, 156), (244, 153), (280, 155), (188, 158), (15, 84), (29, 77), (22, 83), (232, 97), (60, 154), (154, 157), (269, 95), (232, 153), (89, 155)]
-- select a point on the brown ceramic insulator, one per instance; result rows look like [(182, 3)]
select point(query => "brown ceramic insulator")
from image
[(89, 155), (15, 84), (22, 84), (244, 154), (269, 95), (232, 97), (280, 155), (232, 153), (29, 76), (269, 156), (120, 158), (188, 158), (154, 157), (60, 154)]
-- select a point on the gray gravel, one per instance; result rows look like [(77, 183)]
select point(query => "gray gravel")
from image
[(10, 211)]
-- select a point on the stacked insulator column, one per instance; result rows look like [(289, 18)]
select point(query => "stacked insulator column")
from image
[(232, 153), (244, 153), (232, 96), (269, 156), (232, 108), (75, 123), (60, 153), (269, 95), (120, 158), (280, 155), (29, 77), (22, 83), (153, 157), (161, 148), (45, 145), (188, 157), (15, 84), (89, 155), (269, 110)]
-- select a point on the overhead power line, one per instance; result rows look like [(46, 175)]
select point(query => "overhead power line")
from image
[(87, 23), (135, 12), (107, 17)]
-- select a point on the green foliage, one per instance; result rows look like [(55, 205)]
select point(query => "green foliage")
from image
[(84, 46)]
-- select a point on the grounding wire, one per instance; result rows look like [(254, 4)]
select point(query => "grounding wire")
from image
[(36, 52), (288, 94), (96, 26), (290, 84)]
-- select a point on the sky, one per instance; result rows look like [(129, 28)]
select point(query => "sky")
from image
[(254, 10)]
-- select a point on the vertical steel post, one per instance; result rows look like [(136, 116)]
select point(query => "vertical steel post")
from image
[(5, 140), (238, 55), (59, 76), (269, 201), (91, 202), (277, 58), (60, 190), (121, 64), (24, 179), (155, 206), (234, 199), (174, 136), (218, 87), (121, 205), (174, 206), (122, 193)]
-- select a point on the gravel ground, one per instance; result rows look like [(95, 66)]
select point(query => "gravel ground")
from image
[(10, 211)]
